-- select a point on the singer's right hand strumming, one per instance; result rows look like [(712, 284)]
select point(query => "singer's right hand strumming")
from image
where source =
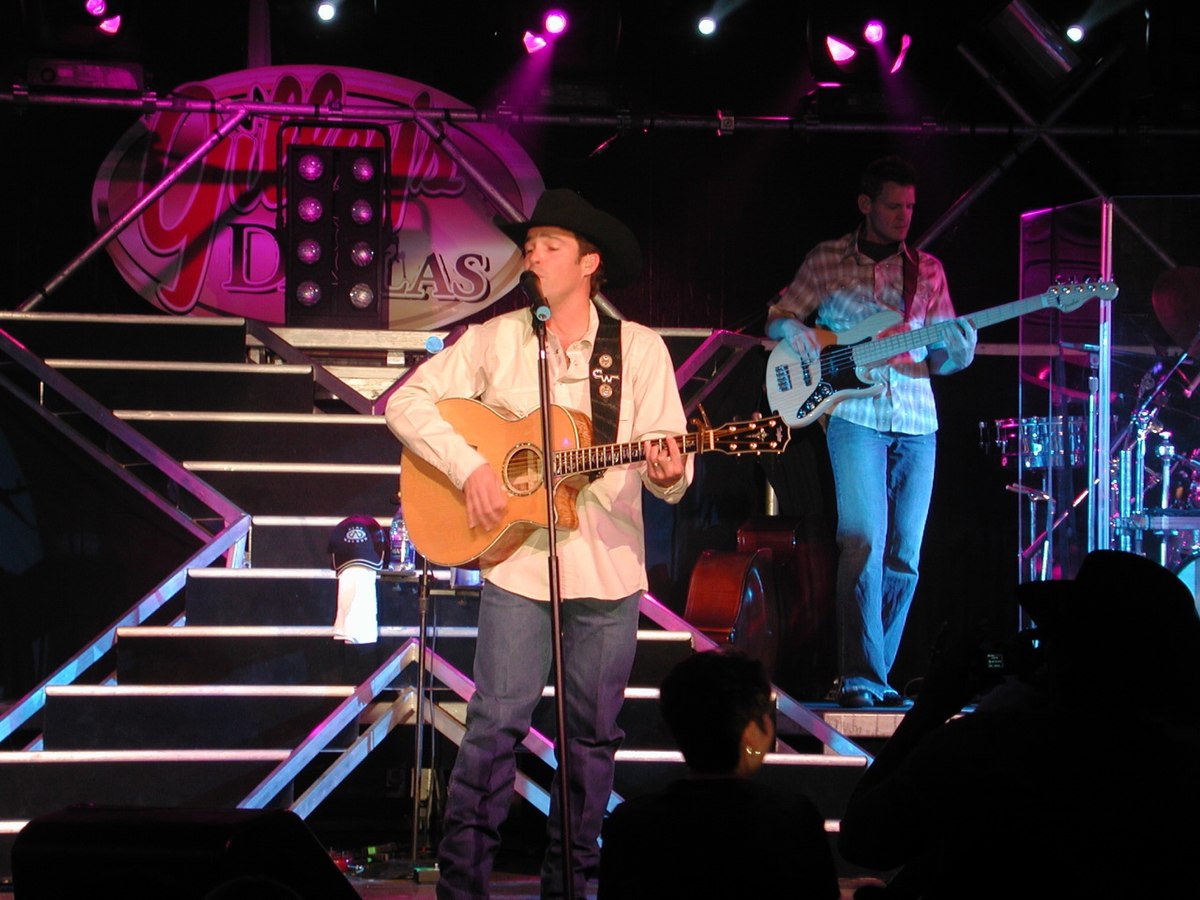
[(485, 499)]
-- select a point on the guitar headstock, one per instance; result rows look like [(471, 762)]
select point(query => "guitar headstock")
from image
[(1069, 297), (756, 436)]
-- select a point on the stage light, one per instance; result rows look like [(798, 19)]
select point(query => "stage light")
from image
[(362, 254), (96, 8), (362, 212), (533, 42), (110, 26), (361, 296), (310, 167), (310, 209), (555, 22), (839, 51), (363, 168), (308, 251), (1024, 36), (308, 293), (707, 25), (873, 32), (334, 215), (905, 43), (326, 11), (1075, 33)]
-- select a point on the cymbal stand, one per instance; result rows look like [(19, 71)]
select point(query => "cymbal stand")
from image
[(1166, 455), (1038, 543)]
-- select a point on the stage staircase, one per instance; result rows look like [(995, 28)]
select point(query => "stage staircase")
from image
[(223, 686)]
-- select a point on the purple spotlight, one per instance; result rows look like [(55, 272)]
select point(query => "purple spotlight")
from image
[(96, 8), (362, 212), (555, 22), (363, 169), (839, 51), (309, 209), (110, 26), (310, 167), (308, 293), (308, 252), (873, 32), (362, 254), (533, 42), (905, 43)]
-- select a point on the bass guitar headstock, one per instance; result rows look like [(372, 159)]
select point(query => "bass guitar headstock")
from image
[(1069, 297)]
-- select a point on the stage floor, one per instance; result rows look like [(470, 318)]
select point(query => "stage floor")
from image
[(517, 887)]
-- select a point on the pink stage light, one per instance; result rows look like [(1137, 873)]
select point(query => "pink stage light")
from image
[(555, 22), (110, 26), (533, 42), (839, 51), (905, 43), (96, 8), (873, 31)]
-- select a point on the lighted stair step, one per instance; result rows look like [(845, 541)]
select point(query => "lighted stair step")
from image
[(167, 717)]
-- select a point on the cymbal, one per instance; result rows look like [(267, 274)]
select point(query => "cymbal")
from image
[(1176, 301)]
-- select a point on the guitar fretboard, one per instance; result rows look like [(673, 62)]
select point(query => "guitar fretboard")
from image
[(604, 456), (1065, 297)]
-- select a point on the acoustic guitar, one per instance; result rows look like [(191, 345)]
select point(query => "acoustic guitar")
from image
[(802, 389), (435, 510)]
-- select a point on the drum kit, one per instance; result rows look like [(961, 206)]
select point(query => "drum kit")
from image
[(1154, 490), (1040, 445)]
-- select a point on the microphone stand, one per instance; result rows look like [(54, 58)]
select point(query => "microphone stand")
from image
[(540, 313), (419, 730)]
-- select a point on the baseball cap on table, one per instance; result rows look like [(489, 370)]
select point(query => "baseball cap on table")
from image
[(357, 540)]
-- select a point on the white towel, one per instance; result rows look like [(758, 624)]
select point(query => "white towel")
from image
[(357, 620)]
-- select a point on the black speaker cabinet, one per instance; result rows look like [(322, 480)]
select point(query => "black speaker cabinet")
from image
[(173, 854)]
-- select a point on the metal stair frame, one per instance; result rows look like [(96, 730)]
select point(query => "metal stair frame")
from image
[(229, 542), (720, 350)]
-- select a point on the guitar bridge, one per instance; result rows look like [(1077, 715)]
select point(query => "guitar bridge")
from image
[(783, 377)]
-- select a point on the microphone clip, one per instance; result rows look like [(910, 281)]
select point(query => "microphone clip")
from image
[(531, 287)]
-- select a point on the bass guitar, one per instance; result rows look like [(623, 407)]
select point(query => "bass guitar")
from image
[(435, 510), (801, 389)]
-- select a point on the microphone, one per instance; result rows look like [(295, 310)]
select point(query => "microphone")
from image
[(531, 285)]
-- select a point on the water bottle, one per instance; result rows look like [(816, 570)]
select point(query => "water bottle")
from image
[(402, 556)]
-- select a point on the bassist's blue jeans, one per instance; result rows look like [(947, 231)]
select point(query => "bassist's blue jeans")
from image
[(883, 484), (512, 664)]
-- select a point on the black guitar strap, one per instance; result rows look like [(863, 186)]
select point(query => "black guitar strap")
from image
[(605, 371), (912, 268)]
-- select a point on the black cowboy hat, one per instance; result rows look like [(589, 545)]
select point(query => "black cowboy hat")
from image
[(1117, 600), (561, 208)]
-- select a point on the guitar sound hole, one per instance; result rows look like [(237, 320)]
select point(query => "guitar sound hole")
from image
[(523, 470)]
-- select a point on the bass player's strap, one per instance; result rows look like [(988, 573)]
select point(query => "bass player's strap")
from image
[(604, 370), (912, 268)]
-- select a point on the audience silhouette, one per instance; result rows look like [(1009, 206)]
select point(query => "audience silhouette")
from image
[(1076, 775), (717, 833)]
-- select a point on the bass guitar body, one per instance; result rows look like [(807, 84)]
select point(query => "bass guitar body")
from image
[(802, 390)]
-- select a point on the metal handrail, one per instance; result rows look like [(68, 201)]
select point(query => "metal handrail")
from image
[(229, 542)]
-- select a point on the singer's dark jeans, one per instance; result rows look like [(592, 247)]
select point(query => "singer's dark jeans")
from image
[(513, 658)]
